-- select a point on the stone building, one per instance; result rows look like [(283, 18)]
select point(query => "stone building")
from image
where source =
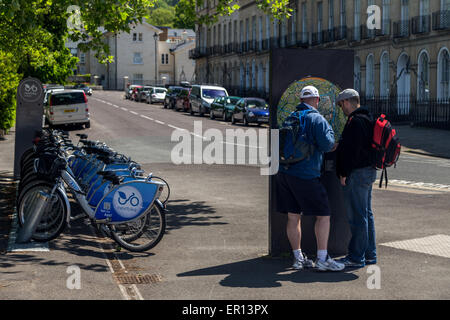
[(407, 54), (142, 56)]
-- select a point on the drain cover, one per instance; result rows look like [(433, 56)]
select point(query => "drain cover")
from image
[(137, 279)]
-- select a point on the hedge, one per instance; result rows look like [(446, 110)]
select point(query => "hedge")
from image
[(9, 81)]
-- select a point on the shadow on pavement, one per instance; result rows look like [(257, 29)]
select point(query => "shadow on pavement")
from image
[(267, 273), (183, 212)]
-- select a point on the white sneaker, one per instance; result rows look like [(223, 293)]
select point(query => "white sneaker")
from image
[(300, 264), (329, 265)]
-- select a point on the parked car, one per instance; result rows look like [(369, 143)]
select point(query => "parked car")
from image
[(202, 96), (169, 100), (182, 100), (142, 93), (134, 92), (84, 87), (223, 107), (129, 91), (67, 107), (51, 86), (156, 95), (251, 110)]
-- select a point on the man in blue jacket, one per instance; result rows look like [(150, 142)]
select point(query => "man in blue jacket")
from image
[(300, 192)]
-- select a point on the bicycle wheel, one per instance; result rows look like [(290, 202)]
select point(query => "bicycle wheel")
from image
[(165, 194), (141, 234), (54, 218)]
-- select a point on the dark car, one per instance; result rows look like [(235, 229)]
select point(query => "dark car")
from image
[(169, 100), (222, 107), (251, 110), (182, 100), (87, 90)]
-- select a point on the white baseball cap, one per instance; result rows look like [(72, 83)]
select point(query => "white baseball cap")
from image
[(309, 92)]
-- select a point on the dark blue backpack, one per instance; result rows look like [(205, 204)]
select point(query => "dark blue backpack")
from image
[(294, 143)]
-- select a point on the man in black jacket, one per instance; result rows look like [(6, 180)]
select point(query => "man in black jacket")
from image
[(356, 172)]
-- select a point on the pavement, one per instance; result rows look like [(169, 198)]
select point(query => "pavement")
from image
[(216, 248)]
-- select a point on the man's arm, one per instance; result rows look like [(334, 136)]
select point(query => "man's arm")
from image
[(323, 133)]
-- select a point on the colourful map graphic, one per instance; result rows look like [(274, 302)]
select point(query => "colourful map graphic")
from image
[(327, 106)]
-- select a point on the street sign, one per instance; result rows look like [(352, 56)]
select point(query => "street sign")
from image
[(29, 112)]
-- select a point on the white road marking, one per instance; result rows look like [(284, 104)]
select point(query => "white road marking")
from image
[(145, 117), (134, 112), (426, 185), (160, 122), (436, 245), (124, 109)]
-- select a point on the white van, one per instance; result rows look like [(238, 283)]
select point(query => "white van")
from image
[(67, 107), (202, 96)]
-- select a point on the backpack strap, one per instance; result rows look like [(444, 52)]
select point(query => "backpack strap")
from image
[(383, 175)]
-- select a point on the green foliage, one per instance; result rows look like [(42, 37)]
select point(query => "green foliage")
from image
[(9, 81), (162, 16), (185, 15)]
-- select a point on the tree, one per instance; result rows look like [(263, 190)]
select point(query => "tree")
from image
[(185, 15), (9, 80), (33, 32)]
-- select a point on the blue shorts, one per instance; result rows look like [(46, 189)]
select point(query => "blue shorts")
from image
[(295, 195)]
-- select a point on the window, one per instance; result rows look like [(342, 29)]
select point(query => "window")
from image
[(423, 77), (165, 58), (330, 14), (384, 75), (294, 27), (304, 23), (357, 74), (319, 20), (343, 16), (134, 36), (386, 22), (424, 8), (82, 57), (357, 20), (445, 5), (370, 82), (137, 58), (140, 36), (138, 78), (444, 75)]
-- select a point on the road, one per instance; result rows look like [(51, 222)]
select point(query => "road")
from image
[(217, 239)]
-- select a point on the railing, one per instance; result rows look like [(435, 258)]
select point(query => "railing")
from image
[(340, 33), (421, 24), (274, 42), (441, 20), (354, 34), (247, 92), (432, 113), (401, 29)]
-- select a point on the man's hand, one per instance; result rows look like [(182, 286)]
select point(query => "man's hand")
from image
[(343, 181), (336, 144)]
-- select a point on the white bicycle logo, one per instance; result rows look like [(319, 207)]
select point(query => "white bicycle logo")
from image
[(30, 89)]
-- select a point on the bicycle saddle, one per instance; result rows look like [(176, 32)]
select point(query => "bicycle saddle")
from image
[(111, 176)]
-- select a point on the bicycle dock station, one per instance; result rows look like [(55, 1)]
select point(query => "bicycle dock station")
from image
[(111, 189)]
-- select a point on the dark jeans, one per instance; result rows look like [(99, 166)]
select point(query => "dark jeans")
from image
[(358, 202)]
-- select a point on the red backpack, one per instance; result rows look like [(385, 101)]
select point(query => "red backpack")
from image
[(386, 146)]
